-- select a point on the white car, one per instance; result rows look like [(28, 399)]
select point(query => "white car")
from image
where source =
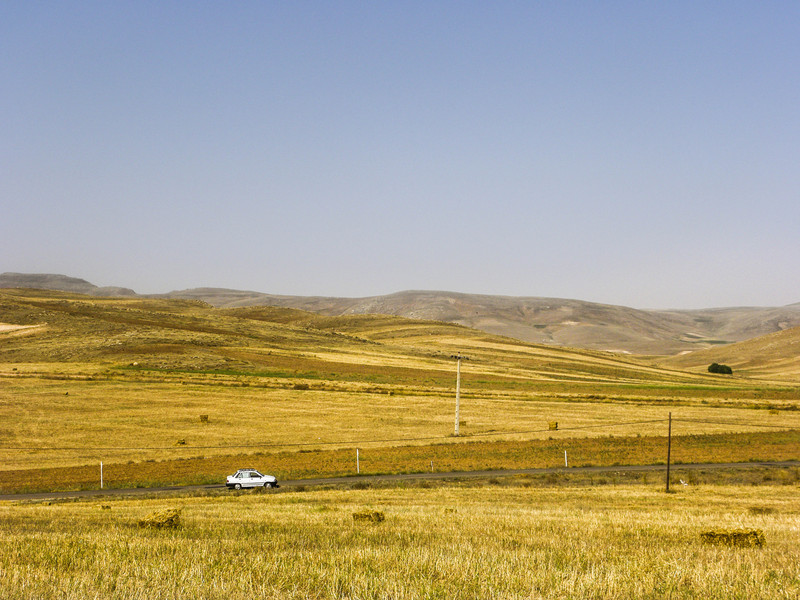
[(249, 478)]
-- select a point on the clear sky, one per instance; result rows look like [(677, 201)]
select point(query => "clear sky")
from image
[(637, 153)]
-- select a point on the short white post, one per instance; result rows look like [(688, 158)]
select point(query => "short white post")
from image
[(431, 466), (565, 459), (101, 474), (358, 466)]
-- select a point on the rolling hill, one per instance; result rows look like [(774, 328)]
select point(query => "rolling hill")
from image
[(60, 282), (177, 336), (127, 380), (180, 335), (552, 321), (776, 355)]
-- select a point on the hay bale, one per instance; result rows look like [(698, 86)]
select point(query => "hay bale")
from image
[(204, 418), (553, 425), (761, 510), (181, 442), (373, 516), (169, 518), (740, 538)]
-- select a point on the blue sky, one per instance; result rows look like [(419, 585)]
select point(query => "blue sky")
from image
[(635, 153)]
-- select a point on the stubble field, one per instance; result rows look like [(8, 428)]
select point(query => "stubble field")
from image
[(485, 541)]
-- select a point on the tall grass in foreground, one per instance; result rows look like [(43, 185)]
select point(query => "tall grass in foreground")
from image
[(450, 542)]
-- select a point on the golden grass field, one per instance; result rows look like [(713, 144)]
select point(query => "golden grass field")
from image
[(436, 458), (125, 381), (499, 541)]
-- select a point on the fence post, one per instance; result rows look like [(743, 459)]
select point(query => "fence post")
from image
[(101, 474), (358, 465), (669, 447)]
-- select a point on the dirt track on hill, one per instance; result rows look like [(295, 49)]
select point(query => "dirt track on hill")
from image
[(16, 329), (333, 481)]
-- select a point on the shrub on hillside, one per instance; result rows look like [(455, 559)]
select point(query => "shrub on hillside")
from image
[(721, 369)]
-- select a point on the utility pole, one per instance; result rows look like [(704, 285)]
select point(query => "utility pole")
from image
[(458, 358), (669, 447)]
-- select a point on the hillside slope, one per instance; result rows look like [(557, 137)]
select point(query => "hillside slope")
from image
[(775, 355), (552, 321), (60, 283), (555, 321), (88, 379), (183, 336)]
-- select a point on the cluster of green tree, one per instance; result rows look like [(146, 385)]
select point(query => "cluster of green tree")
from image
[(721, 369)]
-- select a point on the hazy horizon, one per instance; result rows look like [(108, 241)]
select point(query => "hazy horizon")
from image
[(624, 153)]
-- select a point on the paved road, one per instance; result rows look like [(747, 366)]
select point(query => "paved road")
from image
[(402, 477)]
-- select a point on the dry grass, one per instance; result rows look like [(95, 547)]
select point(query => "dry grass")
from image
[(775, 355), (460, 456), (450, 542), (85, 422), (123, 380)]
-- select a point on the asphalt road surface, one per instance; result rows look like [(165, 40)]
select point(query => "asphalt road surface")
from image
[(188, 489)]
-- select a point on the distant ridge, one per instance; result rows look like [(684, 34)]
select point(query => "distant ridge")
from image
[(61, 283), (554, 321)]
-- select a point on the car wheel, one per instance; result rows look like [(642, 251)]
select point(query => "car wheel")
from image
[(238, 486), (268, 485)]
